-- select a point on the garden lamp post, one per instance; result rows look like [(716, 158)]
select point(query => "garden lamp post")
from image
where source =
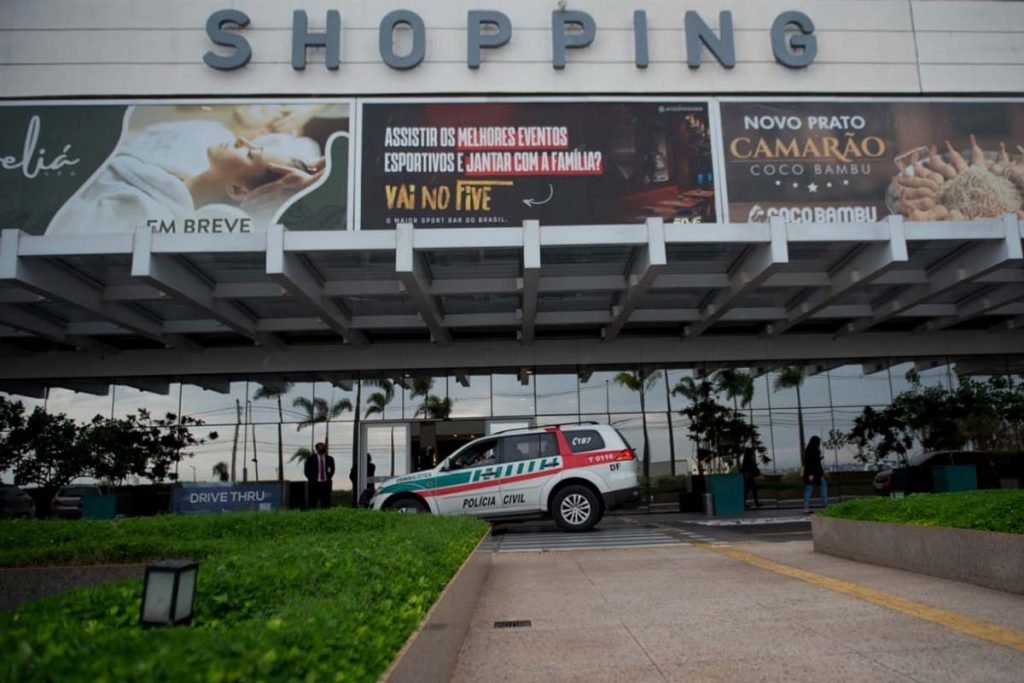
[(168, 593)]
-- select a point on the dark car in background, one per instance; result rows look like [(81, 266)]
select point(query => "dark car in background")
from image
[(15, 503), (917, 475), (68, 501)]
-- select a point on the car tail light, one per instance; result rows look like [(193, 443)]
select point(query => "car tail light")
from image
[(627, 454)]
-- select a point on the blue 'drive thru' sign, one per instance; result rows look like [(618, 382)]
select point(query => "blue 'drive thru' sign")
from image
[(192, 499)]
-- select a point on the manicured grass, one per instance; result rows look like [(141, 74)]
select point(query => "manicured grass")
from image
[(982, 510), (304, 596)]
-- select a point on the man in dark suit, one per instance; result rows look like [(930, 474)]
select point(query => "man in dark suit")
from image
[(319, 471)]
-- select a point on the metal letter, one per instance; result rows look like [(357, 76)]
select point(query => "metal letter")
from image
[(476, 20), (724, 48), (215, 30), (303, 39), (801, 48), (640, 38), (562, 39), (388, 24)]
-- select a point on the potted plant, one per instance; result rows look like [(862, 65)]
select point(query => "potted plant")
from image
[(721, 434)]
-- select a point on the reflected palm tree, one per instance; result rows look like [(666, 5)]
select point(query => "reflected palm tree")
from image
[(687, 387), (641, 382), (220, 471), (737, 387), (436, 408), (433, 407), (301, 456), (421, 386), (378, 401), (319, 410), (792, 377), (272, 392)]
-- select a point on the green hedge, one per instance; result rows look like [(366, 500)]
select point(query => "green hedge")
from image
[(297, 596), (983, 510)]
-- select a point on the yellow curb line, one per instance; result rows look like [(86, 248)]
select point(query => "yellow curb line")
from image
[(951, 620)]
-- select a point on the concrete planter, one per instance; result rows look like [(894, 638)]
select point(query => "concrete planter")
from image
[(984, 558), (430, 654)]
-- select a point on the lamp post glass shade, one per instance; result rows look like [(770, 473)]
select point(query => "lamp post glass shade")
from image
[(169, 592)]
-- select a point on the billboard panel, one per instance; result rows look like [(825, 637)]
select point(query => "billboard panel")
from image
[(499, 163), (847, 161), (173, 168)]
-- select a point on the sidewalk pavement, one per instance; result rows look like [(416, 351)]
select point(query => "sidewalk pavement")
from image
[(703, 613)]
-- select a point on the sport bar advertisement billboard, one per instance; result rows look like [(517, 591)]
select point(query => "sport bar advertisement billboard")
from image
[(499, 163), (861, 161), (81, 168)]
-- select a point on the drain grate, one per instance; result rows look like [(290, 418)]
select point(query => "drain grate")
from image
[(521, 623)]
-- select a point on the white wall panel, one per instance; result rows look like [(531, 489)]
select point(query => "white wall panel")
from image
[(104, 14), (855, 15), (152, 47), (1008, 78), (971, 48), (195, 80), (968, 15), (530, 46)]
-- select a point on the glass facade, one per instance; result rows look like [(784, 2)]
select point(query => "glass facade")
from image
[(246, 413)]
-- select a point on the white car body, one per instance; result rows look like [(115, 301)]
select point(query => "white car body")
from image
[(572, 473)]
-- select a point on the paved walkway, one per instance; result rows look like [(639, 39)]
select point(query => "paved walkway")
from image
[(742, 612)]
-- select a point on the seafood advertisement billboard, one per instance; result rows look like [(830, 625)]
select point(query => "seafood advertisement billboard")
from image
[(861, 161), (461, 163), (85, 168)]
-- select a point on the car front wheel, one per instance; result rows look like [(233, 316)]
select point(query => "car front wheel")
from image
[(576, 508), (412, 506)]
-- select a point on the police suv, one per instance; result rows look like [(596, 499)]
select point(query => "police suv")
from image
[(571, 473)]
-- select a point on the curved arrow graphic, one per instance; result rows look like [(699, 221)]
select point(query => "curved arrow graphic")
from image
[(535, 202)]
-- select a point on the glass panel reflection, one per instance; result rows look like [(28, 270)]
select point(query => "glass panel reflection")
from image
[(513, 394)]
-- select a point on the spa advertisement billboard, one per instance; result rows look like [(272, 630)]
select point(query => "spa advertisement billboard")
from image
[(860, 161), (453, 163), (200, 168)]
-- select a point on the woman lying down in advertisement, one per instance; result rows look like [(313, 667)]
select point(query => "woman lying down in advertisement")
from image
[(173, 176), (947, 187)]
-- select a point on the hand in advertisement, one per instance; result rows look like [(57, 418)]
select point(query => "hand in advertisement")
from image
[(288, 121), (270, 196)]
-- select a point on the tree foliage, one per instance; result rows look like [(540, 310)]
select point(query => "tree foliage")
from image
[(51, 450), (722, 434), (979, 414)]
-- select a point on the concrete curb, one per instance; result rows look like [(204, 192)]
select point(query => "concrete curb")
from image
[(431, 653), (984, 558)]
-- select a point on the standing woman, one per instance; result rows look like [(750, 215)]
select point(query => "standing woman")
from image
[(814, 473)]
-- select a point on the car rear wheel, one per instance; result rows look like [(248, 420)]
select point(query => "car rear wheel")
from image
[(576, 508), (407, 505)]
